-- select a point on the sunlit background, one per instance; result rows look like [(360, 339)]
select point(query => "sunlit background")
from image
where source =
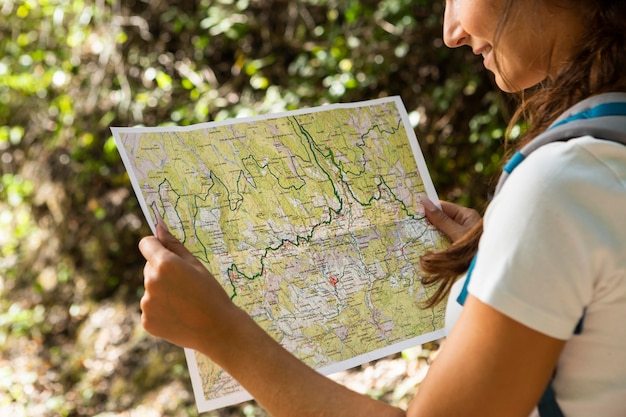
[(70, 272)]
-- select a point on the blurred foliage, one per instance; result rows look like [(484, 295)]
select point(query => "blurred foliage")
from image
[(70, 273)]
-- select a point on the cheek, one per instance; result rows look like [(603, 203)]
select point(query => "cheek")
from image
[(478, 17), (518, 70)]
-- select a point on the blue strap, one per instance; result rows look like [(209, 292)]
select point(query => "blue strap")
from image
[(463, 295), (515, 160), (601, 110)]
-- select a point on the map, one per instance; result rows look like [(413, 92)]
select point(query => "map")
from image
[(311, 220)]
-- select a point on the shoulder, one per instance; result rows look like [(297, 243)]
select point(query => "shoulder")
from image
[(561, 161), (580, 174), (572, 190), (554, 231)]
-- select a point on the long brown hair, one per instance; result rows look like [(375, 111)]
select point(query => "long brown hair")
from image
[(597, 67)]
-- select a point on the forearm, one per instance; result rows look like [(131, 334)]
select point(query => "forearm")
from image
[(280, 382)]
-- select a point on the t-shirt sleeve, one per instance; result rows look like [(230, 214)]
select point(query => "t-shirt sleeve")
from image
[(534, 262)]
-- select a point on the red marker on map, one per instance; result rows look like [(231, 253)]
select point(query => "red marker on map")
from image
[(333, 281)]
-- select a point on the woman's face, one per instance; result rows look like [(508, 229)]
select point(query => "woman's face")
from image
[(530, 45)]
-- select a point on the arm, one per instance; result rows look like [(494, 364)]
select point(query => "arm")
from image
[(490, 365), (185, 305)]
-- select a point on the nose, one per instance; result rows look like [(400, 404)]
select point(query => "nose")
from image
[(453, 33)]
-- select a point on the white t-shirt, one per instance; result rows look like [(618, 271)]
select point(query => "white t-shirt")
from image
[(554, 245)]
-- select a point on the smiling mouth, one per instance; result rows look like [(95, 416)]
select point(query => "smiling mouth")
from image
[(485, 52)]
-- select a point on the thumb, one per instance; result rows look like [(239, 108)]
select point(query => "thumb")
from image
[(169, 241), (439, 219)]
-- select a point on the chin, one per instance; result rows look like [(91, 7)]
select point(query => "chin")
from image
[(517, 84)]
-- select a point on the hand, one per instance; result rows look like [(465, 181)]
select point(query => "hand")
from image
[(452, 219), (182, 302)]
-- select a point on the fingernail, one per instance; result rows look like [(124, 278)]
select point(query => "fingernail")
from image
[(159, 219), (160, 224), (428, 205), (163, 224)]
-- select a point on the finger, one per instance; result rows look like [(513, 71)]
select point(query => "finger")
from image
[(171, 242), (451, 209), (148, 319), (460, 214), (150, 277), (434, 213), (150, 247), (440, 219)]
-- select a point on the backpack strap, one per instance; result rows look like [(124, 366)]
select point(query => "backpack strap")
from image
[(611, 126)]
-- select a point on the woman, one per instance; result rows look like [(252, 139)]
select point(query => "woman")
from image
[(552, 249)]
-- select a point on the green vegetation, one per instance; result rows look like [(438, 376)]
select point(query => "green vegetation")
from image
[(70, 272)]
